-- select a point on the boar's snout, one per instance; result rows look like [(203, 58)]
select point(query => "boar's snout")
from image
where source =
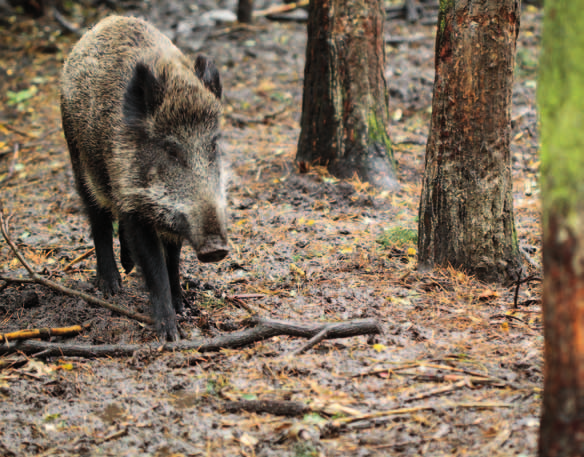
[(214, 246), (213, 249)]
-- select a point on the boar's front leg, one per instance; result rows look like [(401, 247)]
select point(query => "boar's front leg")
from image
[(172, 249), (148, 252)]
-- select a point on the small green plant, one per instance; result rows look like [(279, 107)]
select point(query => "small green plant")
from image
[(20, 98), (305, 450), (398, 237), (216, 382), (52, 417), (209, 300)]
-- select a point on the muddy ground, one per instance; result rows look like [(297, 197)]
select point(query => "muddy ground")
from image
[(457, 372)]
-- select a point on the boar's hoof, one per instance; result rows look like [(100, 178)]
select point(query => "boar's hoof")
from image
[(110, 284), (167, 331)]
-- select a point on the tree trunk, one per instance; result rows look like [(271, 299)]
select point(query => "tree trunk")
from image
[(466, 208), (345, 103), (561, 104), (245, 11)]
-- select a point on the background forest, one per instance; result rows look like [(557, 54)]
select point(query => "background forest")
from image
[(457, 370)]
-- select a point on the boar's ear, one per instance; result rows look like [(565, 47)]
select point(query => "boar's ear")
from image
[(144, 94), (209, 75)]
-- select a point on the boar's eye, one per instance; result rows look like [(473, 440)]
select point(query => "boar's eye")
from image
[(176, 154)]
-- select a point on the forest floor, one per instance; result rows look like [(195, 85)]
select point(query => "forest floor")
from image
[(456, 372)]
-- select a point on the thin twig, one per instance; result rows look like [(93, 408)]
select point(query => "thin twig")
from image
[(242, 120), (392, 412), (65, 24), (13, 162), (15, 130), (518, 284), (438, 391), (311, 342), (236, 301), (79, 258), (280, 8)]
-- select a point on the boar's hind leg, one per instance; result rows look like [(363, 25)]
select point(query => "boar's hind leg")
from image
[(109, 280), (172, 264), (147, 251), (125, 254)]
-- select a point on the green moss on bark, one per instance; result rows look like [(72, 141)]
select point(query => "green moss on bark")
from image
[(378, 134), (561, 106)]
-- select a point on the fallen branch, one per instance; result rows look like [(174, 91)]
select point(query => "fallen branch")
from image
[(42, 333), (262, 329), (358, 421), (65, 290), (9, 279), (275, 407)]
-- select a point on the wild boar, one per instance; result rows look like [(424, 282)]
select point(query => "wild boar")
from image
[(142, 123)]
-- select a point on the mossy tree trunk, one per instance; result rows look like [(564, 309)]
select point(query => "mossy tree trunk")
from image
[(561, 107), (345, 102), (466, 208)]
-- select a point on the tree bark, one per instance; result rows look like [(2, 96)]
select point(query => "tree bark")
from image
[(466, 208), (345, 101), (561, 104)]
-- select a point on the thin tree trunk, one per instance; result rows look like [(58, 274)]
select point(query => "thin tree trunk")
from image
[(466, 208), (561, 106), (345, 102)]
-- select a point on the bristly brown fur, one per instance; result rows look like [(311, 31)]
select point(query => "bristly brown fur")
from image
[(95, 78)]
